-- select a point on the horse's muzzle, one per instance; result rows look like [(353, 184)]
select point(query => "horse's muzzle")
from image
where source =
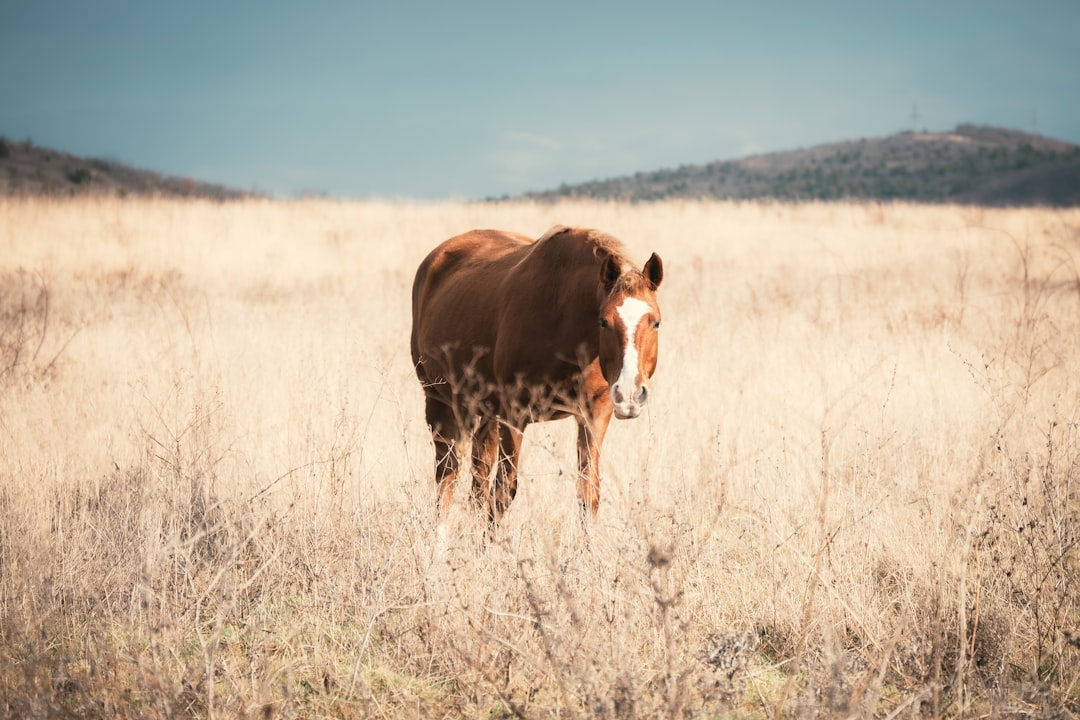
[(628, 408)]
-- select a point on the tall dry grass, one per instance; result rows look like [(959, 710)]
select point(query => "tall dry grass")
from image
[(854, 492)]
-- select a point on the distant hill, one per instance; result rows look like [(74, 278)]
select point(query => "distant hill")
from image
[(971, 165), (26, 169)]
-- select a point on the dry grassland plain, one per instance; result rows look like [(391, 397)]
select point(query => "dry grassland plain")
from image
[(854, 491)]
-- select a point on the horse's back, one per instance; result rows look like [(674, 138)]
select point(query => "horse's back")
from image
[(456, 292), (468, 264)]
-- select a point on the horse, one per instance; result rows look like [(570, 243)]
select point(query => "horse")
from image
[(508, 331)]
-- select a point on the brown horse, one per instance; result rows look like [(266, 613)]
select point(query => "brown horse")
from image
[(507, 331)]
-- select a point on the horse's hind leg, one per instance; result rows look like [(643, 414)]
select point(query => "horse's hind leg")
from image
[(506, 478), (446, 433), (485, 446)]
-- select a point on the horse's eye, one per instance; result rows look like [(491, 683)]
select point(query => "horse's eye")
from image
[(604, 323), (656, 325)]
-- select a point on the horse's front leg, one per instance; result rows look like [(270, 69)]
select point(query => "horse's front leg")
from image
[(592, 426)]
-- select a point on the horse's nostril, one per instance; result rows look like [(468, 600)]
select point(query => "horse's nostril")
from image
[(643, 395), (616, 394)]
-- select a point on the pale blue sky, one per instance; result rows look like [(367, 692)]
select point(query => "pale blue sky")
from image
[(470, 99)]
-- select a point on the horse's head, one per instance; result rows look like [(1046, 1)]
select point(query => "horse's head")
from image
[(629, 332)]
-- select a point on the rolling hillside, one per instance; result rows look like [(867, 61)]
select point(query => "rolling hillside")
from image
[(28, 169), (971, 164)]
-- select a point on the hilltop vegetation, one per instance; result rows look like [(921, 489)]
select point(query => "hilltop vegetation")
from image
[(971, 165), (28, 169)]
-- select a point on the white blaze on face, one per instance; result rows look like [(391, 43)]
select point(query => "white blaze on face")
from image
[(624, 392)]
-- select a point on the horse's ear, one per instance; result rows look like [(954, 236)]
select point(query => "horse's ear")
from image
[(609, 273), (654, 271)]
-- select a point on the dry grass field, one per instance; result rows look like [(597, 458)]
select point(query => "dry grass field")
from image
[(855, 493)]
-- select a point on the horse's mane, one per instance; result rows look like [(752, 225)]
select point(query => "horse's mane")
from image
[(601, 243)]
